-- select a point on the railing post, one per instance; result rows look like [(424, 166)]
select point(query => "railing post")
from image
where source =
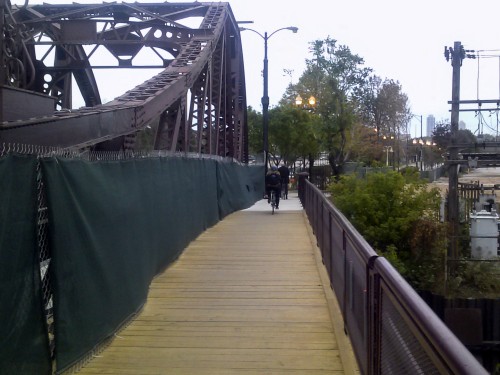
[(373, 315), (303, 176)]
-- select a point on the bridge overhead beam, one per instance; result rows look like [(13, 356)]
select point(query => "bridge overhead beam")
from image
[(202, 67)]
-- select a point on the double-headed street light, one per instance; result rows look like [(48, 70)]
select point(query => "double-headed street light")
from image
[(265, 97), (311, 102), (421, 143)]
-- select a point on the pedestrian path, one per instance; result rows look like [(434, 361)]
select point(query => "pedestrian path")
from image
[(248, 296), (291, 204)]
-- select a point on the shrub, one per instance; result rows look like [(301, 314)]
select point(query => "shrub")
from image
[(395, 212)]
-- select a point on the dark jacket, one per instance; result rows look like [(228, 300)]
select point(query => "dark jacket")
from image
[(273, 179), (285, 174)]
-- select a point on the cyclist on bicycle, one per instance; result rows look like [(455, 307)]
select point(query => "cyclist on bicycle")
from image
[(273, 182)]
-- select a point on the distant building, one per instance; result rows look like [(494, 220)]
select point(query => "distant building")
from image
[(461, 125), (431, 125)]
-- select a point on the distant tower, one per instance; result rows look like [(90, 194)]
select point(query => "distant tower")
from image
[(431, 124)]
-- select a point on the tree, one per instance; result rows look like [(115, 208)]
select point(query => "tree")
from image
[(291, 133), (424, 267), (348, 100), (442, 136), (384, 107), (363, 146), (254, 122), (371, 112), (335, 76), (393, 104)]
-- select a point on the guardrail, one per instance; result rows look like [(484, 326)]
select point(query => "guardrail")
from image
[(392, 330)]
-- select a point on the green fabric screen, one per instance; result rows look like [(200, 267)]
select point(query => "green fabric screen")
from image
[(256, 176), (23, 333), (240, 186), (113, 227)]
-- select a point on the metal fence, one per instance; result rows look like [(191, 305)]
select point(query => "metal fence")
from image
[(392, 330), (45, 257), (43, 245)]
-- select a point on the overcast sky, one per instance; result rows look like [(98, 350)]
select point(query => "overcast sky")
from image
[(399, 40)]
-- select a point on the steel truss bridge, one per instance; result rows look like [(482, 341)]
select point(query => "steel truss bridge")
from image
[(197, 102)]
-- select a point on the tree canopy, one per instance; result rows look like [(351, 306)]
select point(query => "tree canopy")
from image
[(393, 212), (351, 104), (291, 134), (254, 122), (334, 76), (384, 106), (442, 136)]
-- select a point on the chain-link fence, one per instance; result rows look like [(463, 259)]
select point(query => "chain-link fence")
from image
[(44, 256), (65, 247)]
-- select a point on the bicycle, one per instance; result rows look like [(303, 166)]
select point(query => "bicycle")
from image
[(273, 201)]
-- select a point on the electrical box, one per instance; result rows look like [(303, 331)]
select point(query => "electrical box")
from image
[(484, 234)]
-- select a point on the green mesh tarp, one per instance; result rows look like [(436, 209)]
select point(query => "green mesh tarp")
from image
[(256, 176), (113, 226), (240, 186), (24, 345)]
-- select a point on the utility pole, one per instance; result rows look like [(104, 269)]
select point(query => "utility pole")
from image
[(457, 54)]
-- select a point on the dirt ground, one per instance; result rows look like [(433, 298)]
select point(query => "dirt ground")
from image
[(486, 176)]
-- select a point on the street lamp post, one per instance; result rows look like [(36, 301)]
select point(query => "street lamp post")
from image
[(421, 140), (265, 96), (419, 153), (387, 150)]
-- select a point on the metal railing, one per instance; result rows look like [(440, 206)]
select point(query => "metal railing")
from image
[(392, 330)]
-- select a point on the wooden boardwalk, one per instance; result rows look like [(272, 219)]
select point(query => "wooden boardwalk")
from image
[(247, 297)]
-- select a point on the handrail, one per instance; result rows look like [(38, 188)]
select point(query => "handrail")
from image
[(451, 351), (365, 250), (393, 309)]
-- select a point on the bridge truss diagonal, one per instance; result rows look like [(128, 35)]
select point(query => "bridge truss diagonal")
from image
[(196, 103)]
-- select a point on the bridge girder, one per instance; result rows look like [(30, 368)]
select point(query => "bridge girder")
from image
[(197, 102)]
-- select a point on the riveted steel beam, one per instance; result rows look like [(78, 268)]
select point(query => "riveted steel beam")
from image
[(196, 103)]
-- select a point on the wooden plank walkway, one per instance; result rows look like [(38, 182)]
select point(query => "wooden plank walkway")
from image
[(246, 297)]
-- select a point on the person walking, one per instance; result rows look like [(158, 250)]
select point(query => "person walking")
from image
[(285, 180)]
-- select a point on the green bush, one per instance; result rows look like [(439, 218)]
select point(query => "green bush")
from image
[(474, 279), (396, 213), (384, 207)]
